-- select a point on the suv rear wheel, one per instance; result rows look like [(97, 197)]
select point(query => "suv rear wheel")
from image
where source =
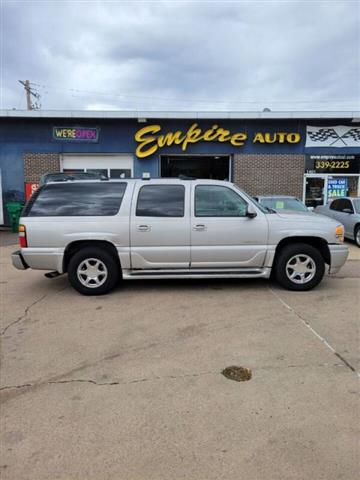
[(299, 267), (93, 271)]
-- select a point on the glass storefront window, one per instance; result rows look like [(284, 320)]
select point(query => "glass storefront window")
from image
[(353, 186), (321, 189), (314, 191)]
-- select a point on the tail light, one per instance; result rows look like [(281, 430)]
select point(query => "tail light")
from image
[(22, 236)]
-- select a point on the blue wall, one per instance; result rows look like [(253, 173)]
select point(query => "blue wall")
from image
[(19, 136)]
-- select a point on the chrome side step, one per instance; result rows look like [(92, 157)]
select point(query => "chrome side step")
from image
[(197, 273)]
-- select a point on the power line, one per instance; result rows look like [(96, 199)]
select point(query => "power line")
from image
[(192, 100)]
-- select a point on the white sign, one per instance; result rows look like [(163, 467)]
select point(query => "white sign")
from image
[(339, 136)]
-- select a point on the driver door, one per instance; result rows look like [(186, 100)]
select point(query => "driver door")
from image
[(222, 235)]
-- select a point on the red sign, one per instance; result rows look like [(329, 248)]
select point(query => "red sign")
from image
[(30, 188)]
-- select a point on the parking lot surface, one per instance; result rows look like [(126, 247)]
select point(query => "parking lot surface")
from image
[(128, 386)]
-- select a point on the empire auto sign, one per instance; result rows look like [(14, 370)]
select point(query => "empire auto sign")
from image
[(150, 138)]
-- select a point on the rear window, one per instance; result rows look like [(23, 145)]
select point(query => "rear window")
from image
[(76, 200)]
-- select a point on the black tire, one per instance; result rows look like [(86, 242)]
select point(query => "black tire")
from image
[(357, 235), (304, 251), (108, 264)]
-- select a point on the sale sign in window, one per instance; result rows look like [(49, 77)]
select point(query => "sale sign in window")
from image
[(337, 187)]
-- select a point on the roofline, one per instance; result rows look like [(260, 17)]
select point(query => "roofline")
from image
[(138, 115)]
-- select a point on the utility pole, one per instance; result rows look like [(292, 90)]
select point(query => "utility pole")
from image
[(30, 92)]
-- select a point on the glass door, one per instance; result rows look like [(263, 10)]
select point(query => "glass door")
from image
[(314, 191)]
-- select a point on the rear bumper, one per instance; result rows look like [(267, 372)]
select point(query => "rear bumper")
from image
[(39, 259), (18, 261), (338, 256)]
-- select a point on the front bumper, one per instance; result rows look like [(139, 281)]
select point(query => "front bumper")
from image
[(18, 260), (338, 256)]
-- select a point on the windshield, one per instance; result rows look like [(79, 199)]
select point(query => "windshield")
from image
[(356, 203), (282, 203)]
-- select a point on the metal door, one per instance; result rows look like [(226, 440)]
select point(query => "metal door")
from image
[(160, 225), (222, 236)]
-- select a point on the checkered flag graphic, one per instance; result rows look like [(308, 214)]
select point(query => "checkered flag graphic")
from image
[(354, 133), (323, 135)]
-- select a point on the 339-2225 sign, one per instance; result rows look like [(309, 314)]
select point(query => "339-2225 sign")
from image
[(332, 163)]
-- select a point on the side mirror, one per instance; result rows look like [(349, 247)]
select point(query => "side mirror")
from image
[(250, 211), (347, 210)]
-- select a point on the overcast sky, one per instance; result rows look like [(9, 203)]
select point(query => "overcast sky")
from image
[(181, 55)]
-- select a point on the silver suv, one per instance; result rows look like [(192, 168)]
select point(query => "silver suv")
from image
[(100, 232)]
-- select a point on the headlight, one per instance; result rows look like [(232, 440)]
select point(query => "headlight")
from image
[(339, 233)]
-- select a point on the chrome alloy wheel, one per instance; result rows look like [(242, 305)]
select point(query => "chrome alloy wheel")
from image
[(92, 272), (300, 268)]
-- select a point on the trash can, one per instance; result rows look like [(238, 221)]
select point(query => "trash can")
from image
[(14, 212)]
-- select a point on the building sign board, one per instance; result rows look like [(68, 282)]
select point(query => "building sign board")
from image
[(332, 136), (332, 164), (76, 134), (150, 138)]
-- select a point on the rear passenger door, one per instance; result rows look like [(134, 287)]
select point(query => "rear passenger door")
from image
[(160, 226)]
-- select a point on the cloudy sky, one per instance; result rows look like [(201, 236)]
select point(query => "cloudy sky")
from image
[(182, 55)]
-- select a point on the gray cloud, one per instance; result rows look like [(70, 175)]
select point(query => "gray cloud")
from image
[(182, 55)]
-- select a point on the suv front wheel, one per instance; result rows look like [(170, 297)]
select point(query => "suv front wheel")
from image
[(93, 271), (299, 267)]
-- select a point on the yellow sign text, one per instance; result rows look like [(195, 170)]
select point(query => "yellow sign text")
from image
[(149, 142)]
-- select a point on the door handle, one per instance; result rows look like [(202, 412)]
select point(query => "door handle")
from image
[(199, 227), (143, 228)]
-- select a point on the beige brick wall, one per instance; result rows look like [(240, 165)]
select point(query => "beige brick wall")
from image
[(36, 164), (270, 174)]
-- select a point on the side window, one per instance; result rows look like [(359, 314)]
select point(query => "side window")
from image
[(218, 201), (161, 201), (76, 200), (347, 204), (335, 205)]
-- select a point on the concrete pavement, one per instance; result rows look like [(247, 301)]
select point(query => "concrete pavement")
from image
[(129, 385)]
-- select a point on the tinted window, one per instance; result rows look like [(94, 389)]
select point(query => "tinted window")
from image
[(76, 199), (335, 205), (218, 201), (347, 204), (161, 201)]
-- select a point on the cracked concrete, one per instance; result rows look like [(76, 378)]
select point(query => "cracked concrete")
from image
[(129, 385)]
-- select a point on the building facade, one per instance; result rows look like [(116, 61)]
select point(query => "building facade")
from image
[(314, 156)]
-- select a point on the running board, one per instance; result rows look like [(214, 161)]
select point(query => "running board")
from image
[(197, 273)]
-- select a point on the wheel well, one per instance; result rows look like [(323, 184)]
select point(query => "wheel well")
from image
[(357, 225), (317, 242), (74, 247)]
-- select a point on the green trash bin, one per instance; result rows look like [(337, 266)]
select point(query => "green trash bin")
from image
[(14, 212)]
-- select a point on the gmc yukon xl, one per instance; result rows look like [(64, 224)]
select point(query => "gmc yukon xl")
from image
[(99, 232)]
